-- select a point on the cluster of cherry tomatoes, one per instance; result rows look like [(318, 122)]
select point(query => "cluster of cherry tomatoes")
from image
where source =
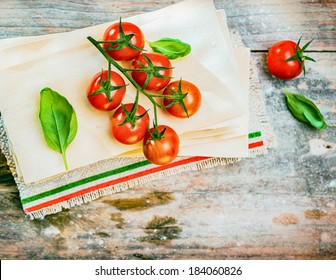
[(150, 74)]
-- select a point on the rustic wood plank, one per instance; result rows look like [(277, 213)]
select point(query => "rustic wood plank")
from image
[(260, 23), (278, 206)]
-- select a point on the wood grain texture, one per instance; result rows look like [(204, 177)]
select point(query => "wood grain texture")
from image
[(278, 206), (260, 22), (264, 22)]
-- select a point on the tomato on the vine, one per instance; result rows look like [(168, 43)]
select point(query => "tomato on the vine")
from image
[(186, 99), (165, 148), (127, 41), (285, 59), (157, 71), (127, 128), (103, 94)]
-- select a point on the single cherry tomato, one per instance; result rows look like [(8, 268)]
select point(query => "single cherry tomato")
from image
[(104, 95), (127, 41), (157, 71), (164, 149), (285, 59), (187, 99), (127, 128)]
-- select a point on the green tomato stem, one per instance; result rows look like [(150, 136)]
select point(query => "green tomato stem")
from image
[(122, 70), (135, 105), (156, 121)]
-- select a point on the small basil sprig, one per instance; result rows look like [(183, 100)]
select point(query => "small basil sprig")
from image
[(305, 110), (171, 48), (58, 120)]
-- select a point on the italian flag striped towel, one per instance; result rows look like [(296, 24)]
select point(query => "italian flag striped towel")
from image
[(39, 200)]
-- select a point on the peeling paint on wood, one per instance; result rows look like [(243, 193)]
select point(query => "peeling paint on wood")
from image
[(146, 201), (117, 217), (161, 230), (286, 219), (314, 214), (5, 174)]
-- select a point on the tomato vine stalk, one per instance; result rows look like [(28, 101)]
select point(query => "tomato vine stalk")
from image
[(124, 71)]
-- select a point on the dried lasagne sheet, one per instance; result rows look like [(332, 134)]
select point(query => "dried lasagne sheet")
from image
[(66, 62)]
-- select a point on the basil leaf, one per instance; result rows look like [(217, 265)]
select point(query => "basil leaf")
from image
[(171, 48), (305, 110), (58, 120)]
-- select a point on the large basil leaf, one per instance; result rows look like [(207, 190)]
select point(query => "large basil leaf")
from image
[(171, 48), (58, 120), (305, 110)]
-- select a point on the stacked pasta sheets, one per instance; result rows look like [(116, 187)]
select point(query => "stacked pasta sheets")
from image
[(66, 63)]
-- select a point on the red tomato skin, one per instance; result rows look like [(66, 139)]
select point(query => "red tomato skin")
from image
[(192, 101), (100, 101), (155, 83), (161, 151), (125, 133), (126, 53), (276, 63)]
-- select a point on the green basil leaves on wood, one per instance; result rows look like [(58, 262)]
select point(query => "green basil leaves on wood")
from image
[(58, 120), (171, 48), (305, 110)]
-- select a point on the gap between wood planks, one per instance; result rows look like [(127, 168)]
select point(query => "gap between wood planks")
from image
[(311, 51)]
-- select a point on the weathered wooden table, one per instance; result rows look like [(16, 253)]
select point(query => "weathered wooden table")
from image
[(278, 206)]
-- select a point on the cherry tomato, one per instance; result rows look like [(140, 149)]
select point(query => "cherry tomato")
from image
[(188, 99), (103, 95), (159, 67), (126, 132), (164, 150), (125, 47), (285, 59)]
